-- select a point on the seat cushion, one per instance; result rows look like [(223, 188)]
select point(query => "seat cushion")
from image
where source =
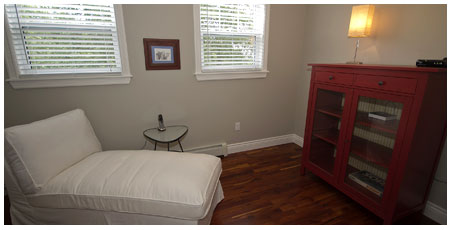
[(41, 150), (178, 185)]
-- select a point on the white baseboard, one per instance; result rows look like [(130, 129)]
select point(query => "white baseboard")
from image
[(219, 149), (435, 213), (297, 140), (263, 143)]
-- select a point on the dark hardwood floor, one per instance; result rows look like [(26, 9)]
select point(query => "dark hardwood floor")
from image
[(264, 186)]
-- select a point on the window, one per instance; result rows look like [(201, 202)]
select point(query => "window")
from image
[(63, 45), (231, 41)]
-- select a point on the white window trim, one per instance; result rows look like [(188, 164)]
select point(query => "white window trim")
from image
[(62, 80), (222, 75)]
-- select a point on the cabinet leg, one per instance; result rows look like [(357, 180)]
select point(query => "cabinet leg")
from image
[(302, 170), (387, 221)]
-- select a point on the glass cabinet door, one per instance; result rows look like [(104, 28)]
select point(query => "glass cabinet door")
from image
[(328, 109), (371, 145)]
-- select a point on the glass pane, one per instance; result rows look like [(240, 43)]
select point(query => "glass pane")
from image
[(326, 126), (372, 144)]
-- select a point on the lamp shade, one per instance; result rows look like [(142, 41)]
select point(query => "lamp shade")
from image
[(361, 21)]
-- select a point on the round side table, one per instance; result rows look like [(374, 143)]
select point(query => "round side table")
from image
[(171, 134)]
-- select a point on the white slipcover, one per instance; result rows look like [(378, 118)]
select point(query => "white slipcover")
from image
[(40, 150), (146, 182), (110, 187)]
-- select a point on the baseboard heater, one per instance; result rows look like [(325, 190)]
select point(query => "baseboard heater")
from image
[(220, 149)]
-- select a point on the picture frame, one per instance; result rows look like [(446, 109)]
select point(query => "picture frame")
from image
[(161, 54)]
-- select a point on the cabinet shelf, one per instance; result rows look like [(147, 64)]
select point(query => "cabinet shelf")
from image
[(329, 135), (332, 111), (370, 151), (363, 119), (358, 187), (321, 155)]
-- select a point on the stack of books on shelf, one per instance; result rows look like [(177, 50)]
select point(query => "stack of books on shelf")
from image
[(369, 181)]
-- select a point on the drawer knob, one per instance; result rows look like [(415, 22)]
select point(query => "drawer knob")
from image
[(381, 83), (330, 77)]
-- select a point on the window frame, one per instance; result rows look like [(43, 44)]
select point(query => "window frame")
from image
[(228, 75), (18, 81)]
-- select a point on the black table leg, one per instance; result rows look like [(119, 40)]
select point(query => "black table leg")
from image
[(180, 145), (155, 145), (168, 146)]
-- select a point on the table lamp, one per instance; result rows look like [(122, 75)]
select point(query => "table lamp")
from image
[(360, 25)]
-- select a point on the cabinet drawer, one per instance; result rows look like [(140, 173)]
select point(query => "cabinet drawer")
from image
[(338, 78), (404, 85)]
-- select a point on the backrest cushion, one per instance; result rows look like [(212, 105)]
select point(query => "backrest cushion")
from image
[(38, 151)]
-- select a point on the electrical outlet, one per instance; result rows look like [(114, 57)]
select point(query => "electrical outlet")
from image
[(237, 126)]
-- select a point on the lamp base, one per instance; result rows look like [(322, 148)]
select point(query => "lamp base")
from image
[(354, 62), (354, 57)]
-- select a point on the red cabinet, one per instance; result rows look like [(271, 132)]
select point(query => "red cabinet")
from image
[(376, 133)]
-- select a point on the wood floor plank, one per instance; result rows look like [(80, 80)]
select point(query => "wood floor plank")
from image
[(264, 186)]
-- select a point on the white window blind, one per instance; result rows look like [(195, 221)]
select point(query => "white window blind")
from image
[(55, 39), (232, 37)]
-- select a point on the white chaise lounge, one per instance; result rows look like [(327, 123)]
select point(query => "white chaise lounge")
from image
[(57, 173)]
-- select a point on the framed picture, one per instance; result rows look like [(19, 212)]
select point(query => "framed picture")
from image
[(161, 54)]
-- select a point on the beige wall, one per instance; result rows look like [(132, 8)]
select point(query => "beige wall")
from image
[(265, 107), (402, 34), (119, 114)]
